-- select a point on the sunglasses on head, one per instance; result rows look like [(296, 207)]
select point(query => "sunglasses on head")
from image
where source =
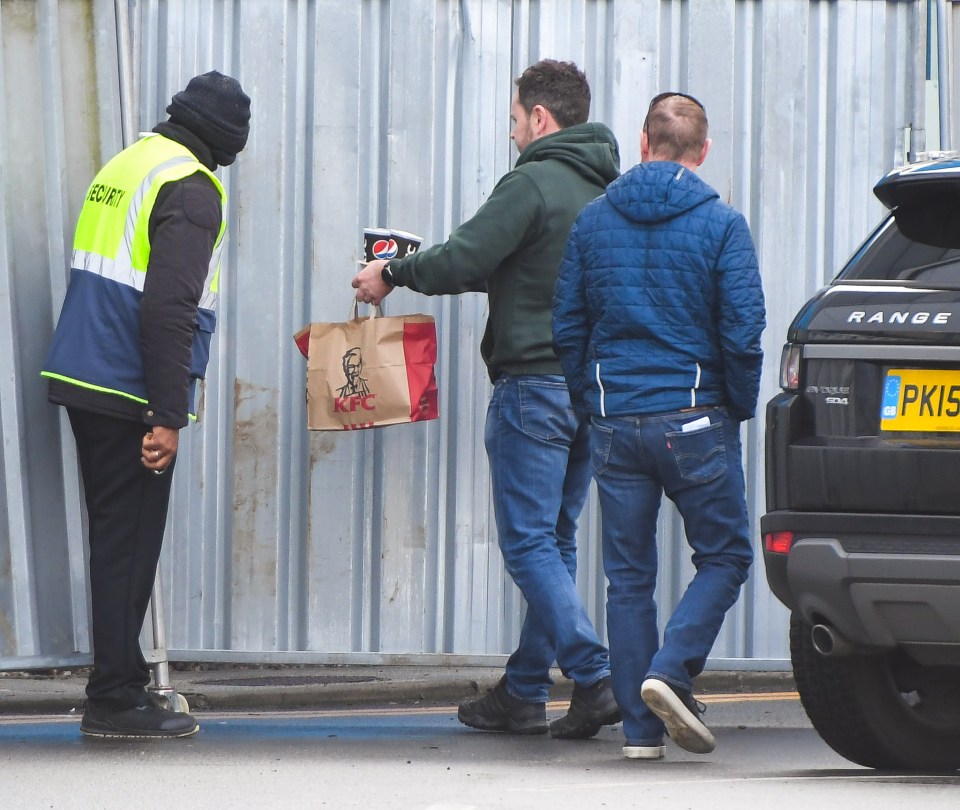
[(661, 96)]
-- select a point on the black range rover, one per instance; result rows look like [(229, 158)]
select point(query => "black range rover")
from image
[(862, 530)]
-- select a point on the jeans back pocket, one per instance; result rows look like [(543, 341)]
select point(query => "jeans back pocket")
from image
[(700, 455), (545, 409), (601, 440)]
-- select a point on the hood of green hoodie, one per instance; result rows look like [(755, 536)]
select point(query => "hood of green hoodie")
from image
[(589, 149)]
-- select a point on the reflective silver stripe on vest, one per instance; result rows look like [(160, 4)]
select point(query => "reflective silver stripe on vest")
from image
[(125, 251), (209, 298), (121, 268), (123, 273)]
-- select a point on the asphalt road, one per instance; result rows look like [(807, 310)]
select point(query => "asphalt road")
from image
[(420, 757)]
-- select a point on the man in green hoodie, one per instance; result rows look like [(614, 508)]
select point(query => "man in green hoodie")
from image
[(537, 445)]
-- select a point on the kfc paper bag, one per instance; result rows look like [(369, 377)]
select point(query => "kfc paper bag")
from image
[(369, 372)]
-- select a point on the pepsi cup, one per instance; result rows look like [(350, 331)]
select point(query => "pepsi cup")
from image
[(378, 244), (407, 243), (381, 243)]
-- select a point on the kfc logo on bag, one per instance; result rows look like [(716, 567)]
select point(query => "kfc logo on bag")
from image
[(355, 394)]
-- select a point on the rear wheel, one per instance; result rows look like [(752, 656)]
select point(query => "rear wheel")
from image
[(881, 711)]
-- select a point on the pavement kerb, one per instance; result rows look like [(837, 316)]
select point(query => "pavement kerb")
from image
[(304, 688)]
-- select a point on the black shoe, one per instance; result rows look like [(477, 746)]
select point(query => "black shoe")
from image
[(140, 722), (680, 714), (591, 708), (500, 711)]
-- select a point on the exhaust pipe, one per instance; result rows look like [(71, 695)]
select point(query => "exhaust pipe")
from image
[(829, 643)]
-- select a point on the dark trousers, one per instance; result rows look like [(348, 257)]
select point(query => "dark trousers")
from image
[(127, 513)]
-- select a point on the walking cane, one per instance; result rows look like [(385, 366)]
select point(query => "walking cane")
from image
[(155, 653)]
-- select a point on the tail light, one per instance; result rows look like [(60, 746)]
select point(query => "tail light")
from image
[(778, 542), (790, 367)]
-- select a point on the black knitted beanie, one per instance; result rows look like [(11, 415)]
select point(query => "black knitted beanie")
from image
[(215, 108)]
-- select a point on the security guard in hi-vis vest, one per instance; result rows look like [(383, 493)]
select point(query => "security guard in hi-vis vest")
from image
[(132, 340)]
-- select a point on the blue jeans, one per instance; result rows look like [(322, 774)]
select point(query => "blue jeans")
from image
[(539, 456), (636, 459)]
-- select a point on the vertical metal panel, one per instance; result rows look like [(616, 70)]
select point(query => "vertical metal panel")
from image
[(57, 107), (282, 541)]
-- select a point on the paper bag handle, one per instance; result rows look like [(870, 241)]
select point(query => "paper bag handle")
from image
[(375, 312)]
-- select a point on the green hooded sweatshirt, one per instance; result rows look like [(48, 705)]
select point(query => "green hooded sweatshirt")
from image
[(511, 248)]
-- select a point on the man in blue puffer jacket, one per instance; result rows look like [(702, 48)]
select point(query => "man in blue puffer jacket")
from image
[(657, 321)]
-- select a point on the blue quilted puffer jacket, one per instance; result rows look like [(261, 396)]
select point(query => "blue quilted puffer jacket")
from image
[(658, 306)]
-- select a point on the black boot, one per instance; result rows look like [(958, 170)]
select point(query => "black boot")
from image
[(500, 711), (591, 708)]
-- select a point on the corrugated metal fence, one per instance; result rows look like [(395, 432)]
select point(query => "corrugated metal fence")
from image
[(289, 545)]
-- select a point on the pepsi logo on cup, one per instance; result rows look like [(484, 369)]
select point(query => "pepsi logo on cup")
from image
[(385, 249)]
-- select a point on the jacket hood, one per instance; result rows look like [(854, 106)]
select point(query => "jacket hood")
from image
[(589, 149), (658, 191)]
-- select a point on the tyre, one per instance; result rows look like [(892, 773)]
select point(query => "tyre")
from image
[(879, 710)]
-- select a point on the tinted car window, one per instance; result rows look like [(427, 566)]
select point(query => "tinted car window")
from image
[(891, 256)]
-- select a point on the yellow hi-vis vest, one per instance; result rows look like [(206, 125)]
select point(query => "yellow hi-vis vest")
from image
[(97, 341)]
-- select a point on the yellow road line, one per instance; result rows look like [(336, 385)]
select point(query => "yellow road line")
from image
[(734, 697)]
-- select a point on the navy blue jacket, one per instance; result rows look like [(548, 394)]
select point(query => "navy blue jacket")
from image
[(658, 305)]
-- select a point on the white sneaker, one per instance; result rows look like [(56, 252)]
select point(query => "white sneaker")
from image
[(644, 751), (680, 713)]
